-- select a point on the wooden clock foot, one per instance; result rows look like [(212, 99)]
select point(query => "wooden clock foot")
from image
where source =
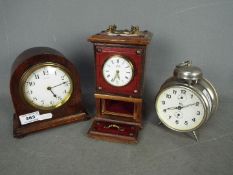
[(20, 131)]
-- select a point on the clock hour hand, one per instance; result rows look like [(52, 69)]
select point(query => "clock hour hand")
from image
[(171, 108), (58, 85), (117, 74), (50, 89)]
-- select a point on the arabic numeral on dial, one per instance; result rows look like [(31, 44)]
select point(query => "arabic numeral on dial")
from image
[(169, 117), (65, 91), (59, 98), (186, 122), (183, 91), (163, 102), (168, 96), (197, 103), (193, 119), (174, 92), (177, 122), (191, 95), (198, 112)]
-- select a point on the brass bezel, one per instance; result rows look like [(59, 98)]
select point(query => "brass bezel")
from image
[(199, 95), (33, 69), (127, 60)]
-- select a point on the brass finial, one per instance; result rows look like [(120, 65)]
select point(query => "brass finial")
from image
[(112, 28), (134, 29)]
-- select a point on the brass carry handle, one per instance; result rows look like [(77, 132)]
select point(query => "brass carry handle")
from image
[(114, 126), (134, 30)]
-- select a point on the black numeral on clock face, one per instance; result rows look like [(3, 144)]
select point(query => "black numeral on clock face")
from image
[(168, 96), (31, 83), (37, 76), (183, 91), (45, 72)]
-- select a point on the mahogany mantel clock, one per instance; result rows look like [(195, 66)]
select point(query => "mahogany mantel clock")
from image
[(45, 91), (119, 64)]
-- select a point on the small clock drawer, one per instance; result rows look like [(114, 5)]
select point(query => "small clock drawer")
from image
[(114, 131)]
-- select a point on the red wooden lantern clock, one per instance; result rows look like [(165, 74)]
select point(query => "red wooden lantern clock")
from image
[(119, 61)]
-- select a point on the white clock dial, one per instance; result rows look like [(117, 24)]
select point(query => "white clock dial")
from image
[(47, 86), (118, 71), (179, 108)]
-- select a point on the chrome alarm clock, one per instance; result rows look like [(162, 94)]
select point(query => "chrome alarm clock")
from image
[(186, 100)]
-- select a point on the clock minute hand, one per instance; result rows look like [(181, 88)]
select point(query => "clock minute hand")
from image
[(58, 84), (188, 105)]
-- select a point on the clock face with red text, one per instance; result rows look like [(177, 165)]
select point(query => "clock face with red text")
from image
[(118, 71)]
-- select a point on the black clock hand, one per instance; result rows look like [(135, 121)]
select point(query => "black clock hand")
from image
[(171, 108), (49, 88), (58, 85), (188, 105), (117, 74)]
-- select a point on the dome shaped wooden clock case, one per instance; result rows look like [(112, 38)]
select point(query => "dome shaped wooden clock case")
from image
[(45, 91)]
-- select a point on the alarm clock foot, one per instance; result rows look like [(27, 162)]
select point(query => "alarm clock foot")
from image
[(195, 135), (159, 123)]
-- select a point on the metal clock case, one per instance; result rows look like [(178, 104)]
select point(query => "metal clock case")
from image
[(186, 100), (45, 91)]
